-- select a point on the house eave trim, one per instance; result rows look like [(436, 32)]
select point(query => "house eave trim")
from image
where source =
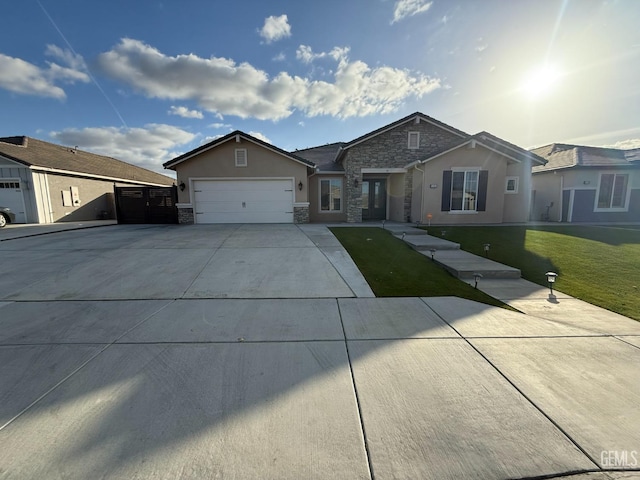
[(97, 177)]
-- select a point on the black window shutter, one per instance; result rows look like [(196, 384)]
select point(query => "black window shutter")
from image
[(446, 190), (483, 180)]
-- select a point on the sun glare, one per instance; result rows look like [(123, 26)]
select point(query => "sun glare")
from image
[(540, 82)]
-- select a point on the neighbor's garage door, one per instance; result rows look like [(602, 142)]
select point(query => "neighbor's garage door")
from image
[(11, 196), (243, 201)]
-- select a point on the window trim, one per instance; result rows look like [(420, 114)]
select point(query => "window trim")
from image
[(626, 197), (506, 185), (465, 171), (417, 146), (246, 160), (324, 212)]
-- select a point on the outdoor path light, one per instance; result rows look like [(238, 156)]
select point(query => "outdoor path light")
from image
[(476, 276), (551, 279), (433, 252), (487, 246)]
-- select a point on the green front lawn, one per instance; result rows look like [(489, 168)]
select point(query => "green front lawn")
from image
[(600, 265), (393, 269)]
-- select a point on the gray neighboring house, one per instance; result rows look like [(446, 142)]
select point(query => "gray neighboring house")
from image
[(45, 183), (586, 184)]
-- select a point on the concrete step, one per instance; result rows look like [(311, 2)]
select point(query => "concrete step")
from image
[(427, 242), (463, 265), (405, 228)]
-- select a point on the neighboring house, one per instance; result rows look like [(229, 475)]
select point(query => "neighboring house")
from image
[(586, 184), (44, 183), (415, 169)]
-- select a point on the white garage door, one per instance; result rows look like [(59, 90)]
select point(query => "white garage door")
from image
[(11, 196), (243, 201)]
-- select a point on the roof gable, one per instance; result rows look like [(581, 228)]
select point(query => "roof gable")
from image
[(235, 136), (40, 155), (492, 143), (414, 117)]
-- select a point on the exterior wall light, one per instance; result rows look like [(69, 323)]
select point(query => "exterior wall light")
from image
[(356, 183), (182, 186), (551, 279), (300, 185)]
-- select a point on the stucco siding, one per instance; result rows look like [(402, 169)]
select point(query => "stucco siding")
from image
[(396, 210), (547, 189), (96, 198), (315, 214), (465, 158), (517, 205), (219, 162)]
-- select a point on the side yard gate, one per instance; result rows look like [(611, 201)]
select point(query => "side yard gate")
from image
[(146, 204)]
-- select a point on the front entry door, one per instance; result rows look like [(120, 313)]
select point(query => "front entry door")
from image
[(374, 199)]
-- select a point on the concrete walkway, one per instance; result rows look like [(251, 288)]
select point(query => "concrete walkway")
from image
[(21, 230)]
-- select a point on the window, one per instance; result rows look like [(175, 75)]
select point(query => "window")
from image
[(331, 195), (512, 185), (612, 191), (241, 157), (414, 140), (464, 191)]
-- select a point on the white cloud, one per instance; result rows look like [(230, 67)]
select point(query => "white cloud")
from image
[(260, 136), (409, 8), (281, 57), (148, 147), (305, 54), (209, 139), (219, 125), (20, 76), (223, 87), (184, 112), (275, 28), (625, 144)]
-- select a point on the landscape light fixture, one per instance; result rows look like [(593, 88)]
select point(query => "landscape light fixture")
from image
[(476, 276), (551, 279), (403, 235), (300, 185), (383, 224), (433, 252), (182, 186), (443, 232), (486, 247)]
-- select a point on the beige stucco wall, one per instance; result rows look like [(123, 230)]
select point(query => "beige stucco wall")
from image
[(498, 166), (219, 162), (315, 214), (546, 189), (96, 196), (396, 197)]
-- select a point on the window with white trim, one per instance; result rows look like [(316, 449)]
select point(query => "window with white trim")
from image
[(511, 185), (612, 191), (330, 194), (464, 191), (414, 140), (241, 157)]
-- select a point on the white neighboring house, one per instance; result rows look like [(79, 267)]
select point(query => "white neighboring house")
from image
[(586, 184), (44, 183)]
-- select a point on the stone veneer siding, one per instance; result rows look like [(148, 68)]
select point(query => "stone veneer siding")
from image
[(390, 150), (185, 216), (301, 214)]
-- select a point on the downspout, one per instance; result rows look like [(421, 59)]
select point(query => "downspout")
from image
[(561, 196), (422, 194)]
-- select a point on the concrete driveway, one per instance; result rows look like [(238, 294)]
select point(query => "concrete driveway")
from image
[(122, 356)]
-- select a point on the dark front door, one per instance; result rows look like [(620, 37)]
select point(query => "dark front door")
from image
[(374, 199)]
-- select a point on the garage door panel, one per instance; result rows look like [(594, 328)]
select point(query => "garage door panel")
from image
[(243, 201)]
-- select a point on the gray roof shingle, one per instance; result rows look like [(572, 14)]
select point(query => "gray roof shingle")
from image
[(562, 155), (40, 154), (323, 156)]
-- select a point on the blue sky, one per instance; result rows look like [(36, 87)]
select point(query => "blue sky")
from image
[(145, 80)]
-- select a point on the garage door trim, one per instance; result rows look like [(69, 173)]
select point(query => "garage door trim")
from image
[(194, 180)]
